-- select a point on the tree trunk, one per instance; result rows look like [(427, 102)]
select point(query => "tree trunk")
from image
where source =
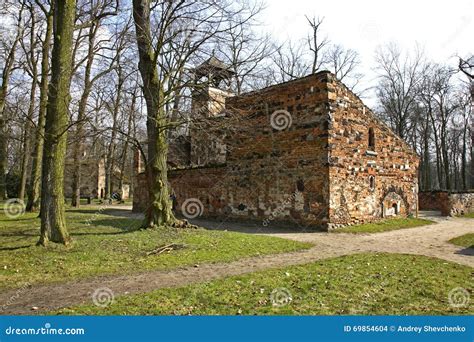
[(159, 210), (35, 179), (53, 222), (28, 128), (79, 145), (6, 73), (111, 150), (25, 161), (123, 162)]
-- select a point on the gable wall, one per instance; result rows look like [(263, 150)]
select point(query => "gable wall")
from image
[(394, 165)]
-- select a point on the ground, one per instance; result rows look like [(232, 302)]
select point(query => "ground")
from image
[(356, 284), (235, 255), (106, 243), (386, 225)]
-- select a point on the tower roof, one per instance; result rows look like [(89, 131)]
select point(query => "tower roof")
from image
[(215, 68)]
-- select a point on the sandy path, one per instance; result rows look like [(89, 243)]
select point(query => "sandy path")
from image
[(428, 240)]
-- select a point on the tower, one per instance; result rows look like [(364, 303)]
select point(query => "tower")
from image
[(211, 87)]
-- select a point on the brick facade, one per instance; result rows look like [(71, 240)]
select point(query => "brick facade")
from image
[(296, 152)]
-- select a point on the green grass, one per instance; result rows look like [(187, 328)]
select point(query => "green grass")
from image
[(364, 284), (385, 225), (466, 240), (104, 243), (468, 215)]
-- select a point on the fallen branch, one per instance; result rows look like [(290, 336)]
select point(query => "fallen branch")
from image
[(166, 248)]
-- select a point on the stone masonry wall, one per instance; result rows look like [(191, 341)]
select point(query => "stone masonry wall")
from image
[(434, 200), (454, 203), (297, 152), (367, 182), (461, 203), (275, 170)]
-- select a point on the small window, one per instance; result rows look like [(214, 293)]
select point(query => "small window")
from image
[(372, 183), (371, 139), (395, 208)]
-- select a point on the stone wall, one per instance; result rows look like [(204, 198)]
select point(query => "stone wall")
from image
[(268, 172), (461, 203), (449, 203), (92, 177), (296, 152), (369, 179), (434, 200)]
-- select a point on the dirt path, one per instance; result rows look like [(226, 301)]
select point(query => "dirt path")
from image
[(428, 240)]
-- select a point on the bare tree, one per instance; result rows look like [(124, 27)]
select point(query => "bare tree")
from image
[(343, 63), (35, 178), (31, 67), (9, 49), (162, 58), (290, 62), (97, 12), (316, 43), (399, 77)]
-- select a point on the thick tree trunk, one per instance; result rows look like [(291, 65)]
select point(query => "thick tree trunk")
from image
[(35, 179), (53, 222), (159, 210)]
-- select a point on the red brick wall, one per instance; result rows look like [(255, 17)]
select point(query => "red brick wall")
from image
[(269, 173), (392, 163), (311, 169), (434, 200)]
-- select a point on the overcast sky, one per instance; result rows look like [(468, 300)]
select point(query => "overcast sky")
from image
[(443, 28)]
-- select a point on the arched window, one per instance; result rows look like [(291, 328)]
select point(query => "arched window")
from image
[(372, 183), (371, 139)]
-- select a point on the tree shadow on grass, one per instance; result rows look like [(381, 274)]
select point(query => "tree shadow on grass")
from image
[(110, 212), (466, 251), (22, 233), (15, 248), (18, 219), (125, 225)]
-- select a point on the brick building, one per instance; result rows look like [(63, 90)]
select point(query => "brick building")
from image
[(306, 151)]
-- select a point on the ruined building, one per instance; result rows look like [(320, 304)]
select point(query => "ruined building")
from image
[(93, 178), (307, 152)]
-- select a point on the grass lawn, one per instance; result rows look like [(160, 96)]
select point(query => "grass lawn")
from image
[(468, 215), (106, 243), (464, 240), (385, 225), (357, 284)]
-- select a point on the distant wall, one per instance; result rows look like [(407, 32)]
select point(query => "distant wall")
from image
[(449, 203)]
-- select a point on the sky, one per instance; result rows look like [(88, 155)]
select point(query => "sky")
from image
[(444, 29)]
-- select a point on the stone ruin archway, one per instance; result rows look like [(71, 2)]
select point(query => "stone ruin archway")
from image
[(393, 205)]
